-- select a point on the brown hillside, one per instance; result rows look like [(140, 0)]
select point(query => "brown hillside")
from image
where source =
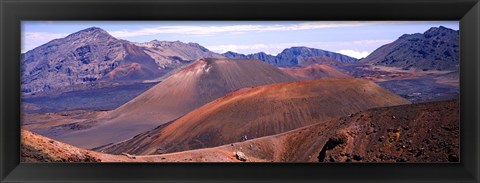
[(311, 72), (427, 132), (191, 87), (261, 111)]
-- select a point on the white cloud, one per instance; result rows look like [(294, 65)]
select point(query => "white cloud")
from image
[(31, 40), (354, 53), (235, 29), (346, 47)]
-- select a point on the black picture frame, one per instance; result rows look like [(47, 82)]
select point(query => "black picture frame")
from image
[(12, 12)]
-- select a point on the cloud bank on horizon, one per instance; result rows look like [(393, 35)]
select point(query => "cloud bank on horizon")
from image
[(353, 38)]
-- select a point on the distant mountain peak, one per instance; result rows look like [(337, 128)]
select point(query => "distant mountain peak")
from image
[(433, 31), (230, 52), (159, 43), (438, 31), (295, 48), (441, 28), (93, 29), (301, 49), (89, 33)]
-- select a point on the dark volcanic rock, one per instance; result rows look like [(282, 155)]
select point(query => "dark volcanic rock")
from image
[(83, 57), (437, 48), (296, 55), (293, 56)]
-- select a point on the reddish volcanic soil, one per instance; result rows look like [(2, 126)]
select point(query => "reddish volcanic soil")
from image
[(261, 111), (37, 148), (427, 132), (188, 89), (312, 72)]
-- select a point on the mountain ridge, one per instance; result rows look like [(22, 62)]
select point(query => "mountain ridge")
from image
[(261, 111), (293, 56), (367, 136), (435, 49), (93, 58), (193, 86)]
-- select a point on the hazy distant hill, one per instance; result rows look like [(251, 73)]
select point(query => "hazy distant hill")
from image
[(293, 56), (437, 48)]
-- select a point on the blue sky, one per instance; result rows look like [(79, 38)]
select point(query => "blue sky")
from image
[(353, 38)]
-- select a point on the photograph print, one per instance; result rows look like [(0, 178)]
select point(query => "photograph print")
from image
[(240, 91)]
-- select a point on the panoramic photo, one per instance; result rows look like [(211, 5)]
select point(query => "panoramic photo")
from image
[(240, 91)]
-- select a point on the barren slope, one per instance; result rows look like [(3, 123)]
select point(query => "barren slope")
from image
[(261, 111), (311, 72), (192, 87), (295, 56), (36, 148)]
